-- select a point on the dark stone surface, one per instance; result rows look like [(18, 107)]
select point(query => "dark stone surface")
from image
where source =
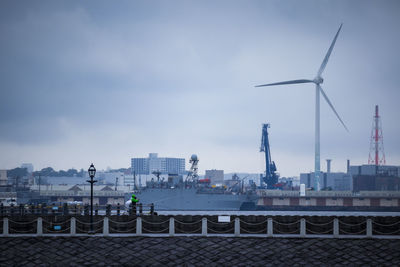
[(196, 251)]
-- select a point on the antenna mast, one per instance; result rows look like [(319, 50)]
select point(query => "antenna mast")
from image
[(376, 152)]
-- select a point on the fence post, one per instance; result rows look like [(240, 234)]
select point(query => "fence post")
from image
[(105, 227), (5, 226), (139, 226), (108, 210), (270, 227), (73, 226), (130, 210), (42, 208), (336, 227), (302, 227), (12, 209), (65, 209), (21, 209), (86, 210), (152, 209), (237, 227), (369, 228), (171, 226), (204, 226), (39, 230), (118, 209)]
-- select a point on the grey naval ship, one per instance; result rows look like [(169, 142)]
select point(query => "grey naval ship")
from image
[(194, 193), (196, 198)]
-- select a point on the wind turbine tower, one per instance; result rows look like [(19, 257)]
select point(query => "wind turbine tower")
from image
[(318, 80)]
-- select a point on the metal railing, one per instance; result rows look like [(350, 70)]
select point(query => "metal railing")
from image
[(75, 209), (202, 226)]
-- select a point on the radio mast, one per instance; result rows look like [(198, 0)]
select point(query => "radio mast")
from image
[(376, 152)]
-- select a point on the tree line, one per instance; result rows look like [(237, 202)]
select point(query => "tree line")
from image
[(45, 172)]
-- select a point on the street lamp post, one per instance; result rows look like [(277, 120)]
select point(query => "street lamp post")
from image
[(92, 173)]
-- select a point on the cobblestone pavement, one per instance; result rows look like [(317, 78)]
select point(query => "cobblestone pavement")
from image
[(196, 251)]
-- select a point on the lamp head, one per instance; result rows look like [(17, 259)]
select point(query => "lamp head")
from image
[(92, 171)]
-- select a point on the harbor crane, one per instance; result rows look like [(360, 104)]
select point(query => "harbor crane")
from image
[(271, 177)]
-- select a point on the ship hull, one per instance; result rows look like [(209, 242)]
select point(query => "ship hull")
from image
[(191, 199)]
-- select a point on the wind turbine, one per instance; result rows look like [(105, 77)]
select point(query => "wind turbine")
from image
[(318, 80)]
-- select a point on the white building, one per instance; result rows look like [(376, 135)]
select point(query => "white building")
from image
[(154, 163)]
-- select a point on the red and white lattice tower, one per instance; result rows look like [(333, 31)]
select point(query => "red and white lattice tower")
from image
[(376, 152)]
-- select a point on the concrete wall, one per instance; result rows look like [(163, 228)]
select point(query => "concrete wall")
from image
[(334, 202), (384, 202), (281, 201), (361, 202), (308, 201), (276, 202)]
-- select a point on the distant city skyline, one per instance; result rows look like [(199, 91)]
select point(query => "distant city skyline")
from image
[(97, 82)]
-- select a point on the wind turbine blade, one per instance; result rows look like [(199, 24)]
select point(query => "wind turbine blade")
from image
[(286, 82), (330, 104), (323, 65)]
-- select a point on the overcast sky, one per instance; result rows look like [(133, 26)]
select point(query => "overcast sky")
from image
[(104, 81)]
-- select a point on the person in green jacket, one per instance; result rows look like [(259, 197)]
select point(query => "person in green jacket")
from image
[(134, 199), (132, 206)]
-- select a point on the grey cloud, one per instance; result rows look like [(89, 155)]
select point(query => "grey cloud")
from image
[(181, 73)]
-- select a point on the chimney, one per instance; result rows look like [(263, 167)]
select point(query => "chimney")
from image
[(328, 166), (348, 166)]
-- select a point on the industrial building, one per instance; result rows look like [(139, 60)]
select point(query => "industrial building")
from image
[(375, 177), (337, 181), (372, 169), (155, 164), (358, 178)]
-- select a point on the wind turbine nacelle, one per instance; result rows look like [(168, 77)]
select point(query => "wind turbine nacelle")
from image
[(318, 80)]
